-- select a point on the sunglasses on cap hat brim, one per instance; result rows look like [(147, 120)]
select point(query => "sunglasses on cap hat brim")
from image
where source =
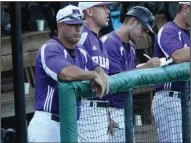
[(73, 22), (72, 17)]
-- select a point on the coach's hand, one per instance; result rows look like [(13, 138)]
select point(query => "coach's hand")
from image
[(104, 78), (154, 62), (112, 126), (97, 86)]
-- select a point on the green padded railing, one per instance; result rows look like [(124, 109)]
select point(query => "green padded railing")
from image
[(68, 92)]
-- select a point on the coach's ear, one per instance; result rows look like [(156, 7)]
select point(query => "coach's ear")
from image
[(132, 21), (59, 25), (89, 12)]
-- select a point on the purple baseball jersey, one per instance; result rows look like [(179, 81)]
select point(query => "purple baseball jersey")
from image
[(169, 39), (51, 59), (94, 46), (121, 58)]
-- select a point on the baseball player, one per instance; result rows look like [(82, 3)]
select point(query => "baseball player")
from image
[(172, 41), (90, 129), (60, 59), (119, 45)]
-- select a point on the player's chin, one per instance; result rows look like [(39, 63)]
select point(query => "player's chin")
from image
[(75, 40), (105, 24)]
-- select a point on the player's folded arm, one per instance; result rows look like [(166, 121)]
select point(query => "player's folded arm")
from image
[(74, 73), (56, 66), (172, 46)]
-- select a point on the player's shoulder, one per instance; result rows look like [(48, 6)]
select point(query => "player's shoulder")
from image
[(169, 27), (109, 38), (52, 44), (86, 34), (81, 49)]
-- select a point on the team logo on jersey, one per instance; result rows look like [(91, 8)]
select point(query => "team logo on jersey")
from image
[(94, 48), (102, 61)]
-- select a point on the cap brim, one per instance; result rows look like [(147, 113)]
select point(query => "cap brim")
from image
[(147, 26), (106, 3), (78, 21), (187, 3)]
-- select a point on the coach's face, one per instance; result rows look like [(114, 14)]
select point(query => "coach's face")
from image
[(100, 15), (71, 32), (186, 14), (137, 31)]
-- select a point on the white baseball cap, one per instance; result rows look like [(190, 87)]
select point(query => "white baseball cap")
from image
[(70, 15), (187, 3), (86, 5)]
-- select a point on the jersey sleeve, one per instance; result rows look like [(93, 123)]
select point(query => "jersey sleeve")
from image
[(53, 60), (169, 41), (90, 64), (114, 55)]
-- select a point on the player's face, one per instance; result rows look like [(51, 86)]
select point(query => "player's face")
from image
[(72, 33), (138, 32), (100, 15), (187, 15)]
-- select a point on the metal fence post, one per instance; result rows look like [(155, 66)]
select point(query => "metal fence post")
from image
[(17, 59), (185, 113), (129, 117)]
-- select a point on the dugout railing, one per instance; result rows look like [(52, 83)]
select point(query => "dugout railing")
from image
[(123, 82)]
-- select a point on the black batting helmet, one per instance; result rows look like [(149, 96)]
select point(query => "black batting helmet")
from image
[(143, 15)]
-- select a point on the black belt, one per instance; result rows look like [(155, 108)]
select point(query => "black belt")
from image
[(101, 104), (55, 118), (171, 94)]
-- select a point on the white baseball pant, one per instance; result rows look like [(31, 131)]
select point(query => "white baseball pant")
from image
[(117, 114), (168, 116), (42, 129), (93, 123)]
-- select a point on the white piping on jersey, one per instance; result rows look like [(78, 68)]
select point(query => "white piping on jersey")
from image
[(104, 38), (121, 50), (179, 35), (83, 38), (131, 45), (159, 38), (170, 85), (167, 86), (85, 55), (48, 71), (51, 95), (48, 101), (45, 103), (186, 46), (133, 49), (65, 53)]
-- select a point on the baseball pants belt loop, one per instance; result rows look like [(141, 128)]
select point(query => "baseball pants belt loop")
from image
[(55, 117), (173, 94), (101, 104)]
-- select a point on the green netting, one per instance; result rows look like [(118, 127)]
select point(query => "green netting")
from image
[(119, 82)]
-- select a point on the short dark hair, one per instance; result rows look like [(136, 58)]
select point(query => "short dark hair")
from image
[(179, 8), (126, 20)]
